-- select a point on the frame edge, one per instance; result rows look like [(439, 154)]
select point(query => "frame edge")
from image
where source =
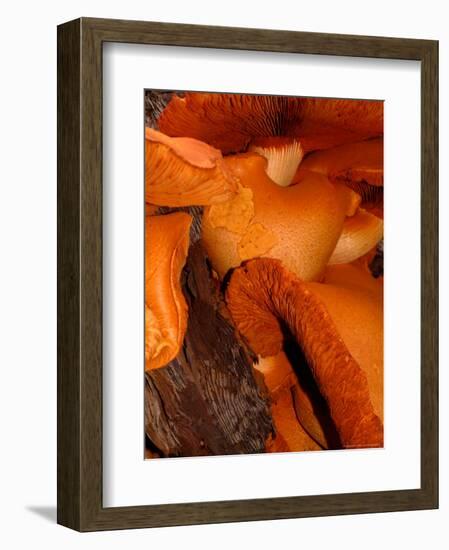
[(429, 274), (68, 252)]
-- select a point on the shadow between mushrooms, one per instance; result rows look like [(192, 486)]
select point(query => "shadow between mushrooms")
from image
[(265, 299)]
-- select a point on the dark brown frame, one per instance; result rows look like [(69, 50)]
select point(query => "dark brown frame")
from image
[(80, 274)]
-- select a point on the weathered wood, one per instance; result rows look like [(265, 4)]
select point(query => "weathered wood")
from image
[(206, 401), (155, 102)]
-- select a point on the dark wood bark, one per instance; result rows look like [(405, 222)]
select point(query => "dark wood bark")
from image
[(206, 401)]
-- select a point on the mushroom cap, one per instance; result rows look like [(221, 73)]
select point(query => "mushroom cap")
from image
[(231, 121), (290, 435), (360, 167), (264, 299), (327, 122), (360, 234), (227, 121), (166, 246), (295, 432), (354, 301), (184, 172), (299, 225), (350, 163)]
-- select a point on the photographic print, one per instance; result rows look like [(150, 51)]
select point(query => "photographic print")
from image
[(263, 274)]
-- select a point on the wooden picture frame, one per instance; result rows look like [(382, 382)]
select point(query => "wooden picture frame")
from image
[(80, 504)]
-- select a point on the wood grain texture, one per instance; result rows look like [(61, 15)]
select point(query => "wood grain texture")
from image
[(69, 434), (429, 272), (206, 401), (80, 274)]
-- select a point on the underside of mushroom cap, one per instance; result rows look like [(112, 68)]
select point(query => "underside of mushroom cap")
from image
[(231, 122), (265, 299), (228, 122), (283, 157), (327, 123), (184, 172), (166, 245)]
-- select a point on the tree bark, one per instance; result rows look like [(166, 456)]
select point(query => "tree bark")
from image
[(206, 401)]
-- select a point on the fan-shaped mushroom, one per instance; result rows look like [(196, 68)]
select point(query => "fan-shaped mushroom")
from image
[(166, 245), (184, 172), (265, 299), (300, 224)]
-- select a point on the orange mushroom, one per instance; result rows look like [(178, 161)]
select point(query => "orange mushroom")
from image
[(184, 172), (360, 167), (299, 225), (229, 122), (281, 382), (290, 435), (359, 236), (166, 245), (338, 330), (326, 123), (232, 122), (283, 157), (354, 300)]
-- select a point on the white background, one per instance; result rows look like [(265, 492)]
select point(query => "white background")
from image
[(28, 275), (129, 480)]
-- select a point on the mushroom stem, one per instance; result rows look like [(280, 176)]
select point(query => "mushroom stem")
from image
[(264, 297)]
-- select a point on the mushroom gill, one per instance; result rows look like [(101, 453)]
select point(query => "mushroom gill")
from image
[(166, 245), (283, 157), (266, 300), (231, 122), (326, 122), (300, 224), (228, 122), (184, 172)]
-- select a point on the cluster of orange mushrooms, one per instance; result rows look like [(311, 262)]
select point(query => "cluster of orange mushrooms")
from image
[(292, 197)]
